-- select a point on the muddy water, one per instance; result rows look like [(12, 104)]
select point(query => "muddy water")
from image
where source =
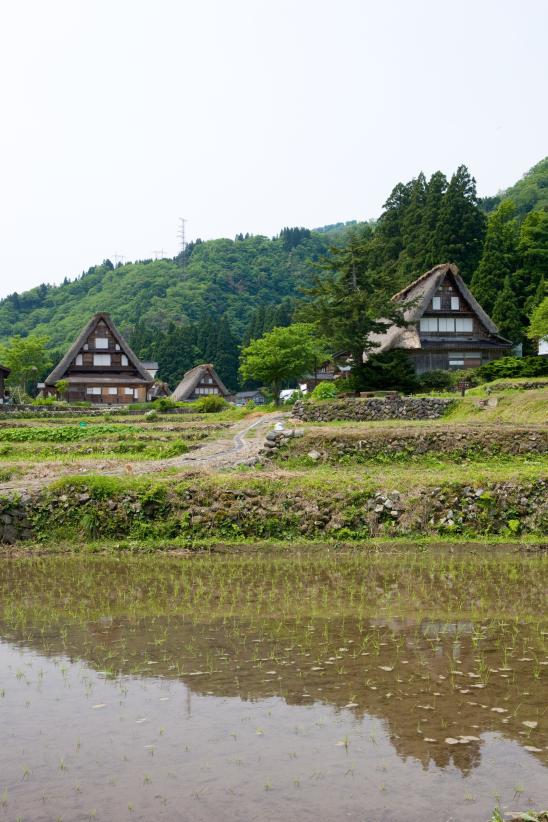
[(396, 687)]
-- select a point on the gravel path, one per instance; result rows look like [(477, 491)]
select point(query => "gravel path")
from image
[(234, 449)]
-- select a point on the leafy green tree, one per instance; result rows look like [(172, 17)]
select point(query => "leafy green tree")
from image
[(352, 301), (461, 224), (28, 360), (506, 313), (62, 387), (499, 259), (282, 355), (538, 330)]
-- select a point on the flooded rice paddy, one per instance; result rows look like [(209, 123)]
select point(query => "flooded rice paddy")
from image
[(403, 685)]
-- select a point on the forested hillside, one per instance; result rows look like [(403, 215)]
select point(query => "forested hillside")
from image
[(203, 305), (528, 194), (223, 277)]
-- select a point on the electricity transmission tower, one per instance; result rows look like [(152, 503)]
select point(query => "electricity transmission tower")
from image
[(118, 258), (182, 239)]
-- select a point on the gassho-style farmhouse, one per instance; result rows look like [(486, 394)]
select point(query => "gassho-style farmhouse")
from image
[(446, 328)]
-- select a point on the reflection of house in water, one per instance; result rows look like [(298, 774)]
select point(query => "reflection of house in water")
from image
[(403, 673)]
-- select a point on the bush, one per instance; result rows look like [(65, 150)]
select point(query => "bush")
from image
[(513, 367), (150, 416), (163, 404), (211, 404), (391, 370), (436, 381), (324, 391), (48, 401)]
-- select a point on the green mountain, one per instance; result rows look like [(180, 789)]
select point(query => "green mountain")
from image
[(528, 194)]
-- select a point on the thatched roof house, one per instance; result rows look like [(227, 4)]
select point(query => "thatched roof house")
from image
[(201, 381), (446, 326), (101, 367)]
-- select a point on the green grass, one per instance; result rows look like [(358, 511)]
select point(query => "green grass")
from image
[(516, 407)]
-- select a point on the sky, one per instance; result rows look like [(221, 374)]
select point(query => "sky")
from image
[(121, 116)]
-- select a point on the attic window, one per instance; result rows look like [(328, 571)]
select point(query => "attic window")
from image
[(455, 303), (436, 303), (79, 360), (101, 359), (465, 324), (446, 324), (124, 360), (101, 342)]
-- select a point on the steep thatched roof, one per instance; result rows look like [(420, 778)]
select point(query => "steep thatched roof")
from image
[(193, 377), (416, 298), (60, 369)]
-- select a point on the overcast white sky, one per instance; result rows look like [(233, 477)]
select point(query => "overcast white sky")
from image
[(119, 116)]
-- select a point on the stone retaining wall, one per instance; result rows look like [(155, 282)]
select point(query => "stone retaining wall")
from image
[(274, 510), (373, 408), (452, 443)]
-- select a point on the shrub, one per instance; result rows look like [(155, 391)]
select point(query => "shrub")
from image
[(48, 401), (436, 381), (211, 404), (150, 416), (391, 370), (513, 367), (324, 391), (164, 404)]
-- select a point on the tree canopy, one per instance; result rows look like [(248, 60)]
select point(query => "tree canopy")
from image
[(28, 361), (538, 330), (282, 355)]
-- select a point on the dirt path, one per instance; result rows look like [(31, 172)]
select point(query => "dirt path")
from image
[(236, 448)]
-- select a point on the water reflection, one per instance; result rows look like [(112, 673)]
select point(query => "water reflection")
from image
[(277, 710)]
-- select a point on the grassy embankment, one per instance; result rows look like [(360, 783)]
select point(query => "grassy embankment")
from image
[(476, 488)]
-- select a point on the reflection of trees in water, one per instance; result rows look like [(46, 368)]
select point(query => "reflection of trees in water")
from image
[(412, 676)]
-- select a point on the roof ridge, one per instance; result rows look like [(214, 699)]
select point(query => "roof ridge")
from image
[(62, 366), (435, 270)]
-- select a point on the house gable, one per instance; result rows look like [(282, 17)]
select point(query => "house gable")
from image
[(446, 326), (100, 366)]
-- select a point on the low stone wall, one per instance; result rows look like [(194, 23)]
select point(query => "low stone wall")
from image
[(338, 445), (15, 524), (273, 509), (373, 408)]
